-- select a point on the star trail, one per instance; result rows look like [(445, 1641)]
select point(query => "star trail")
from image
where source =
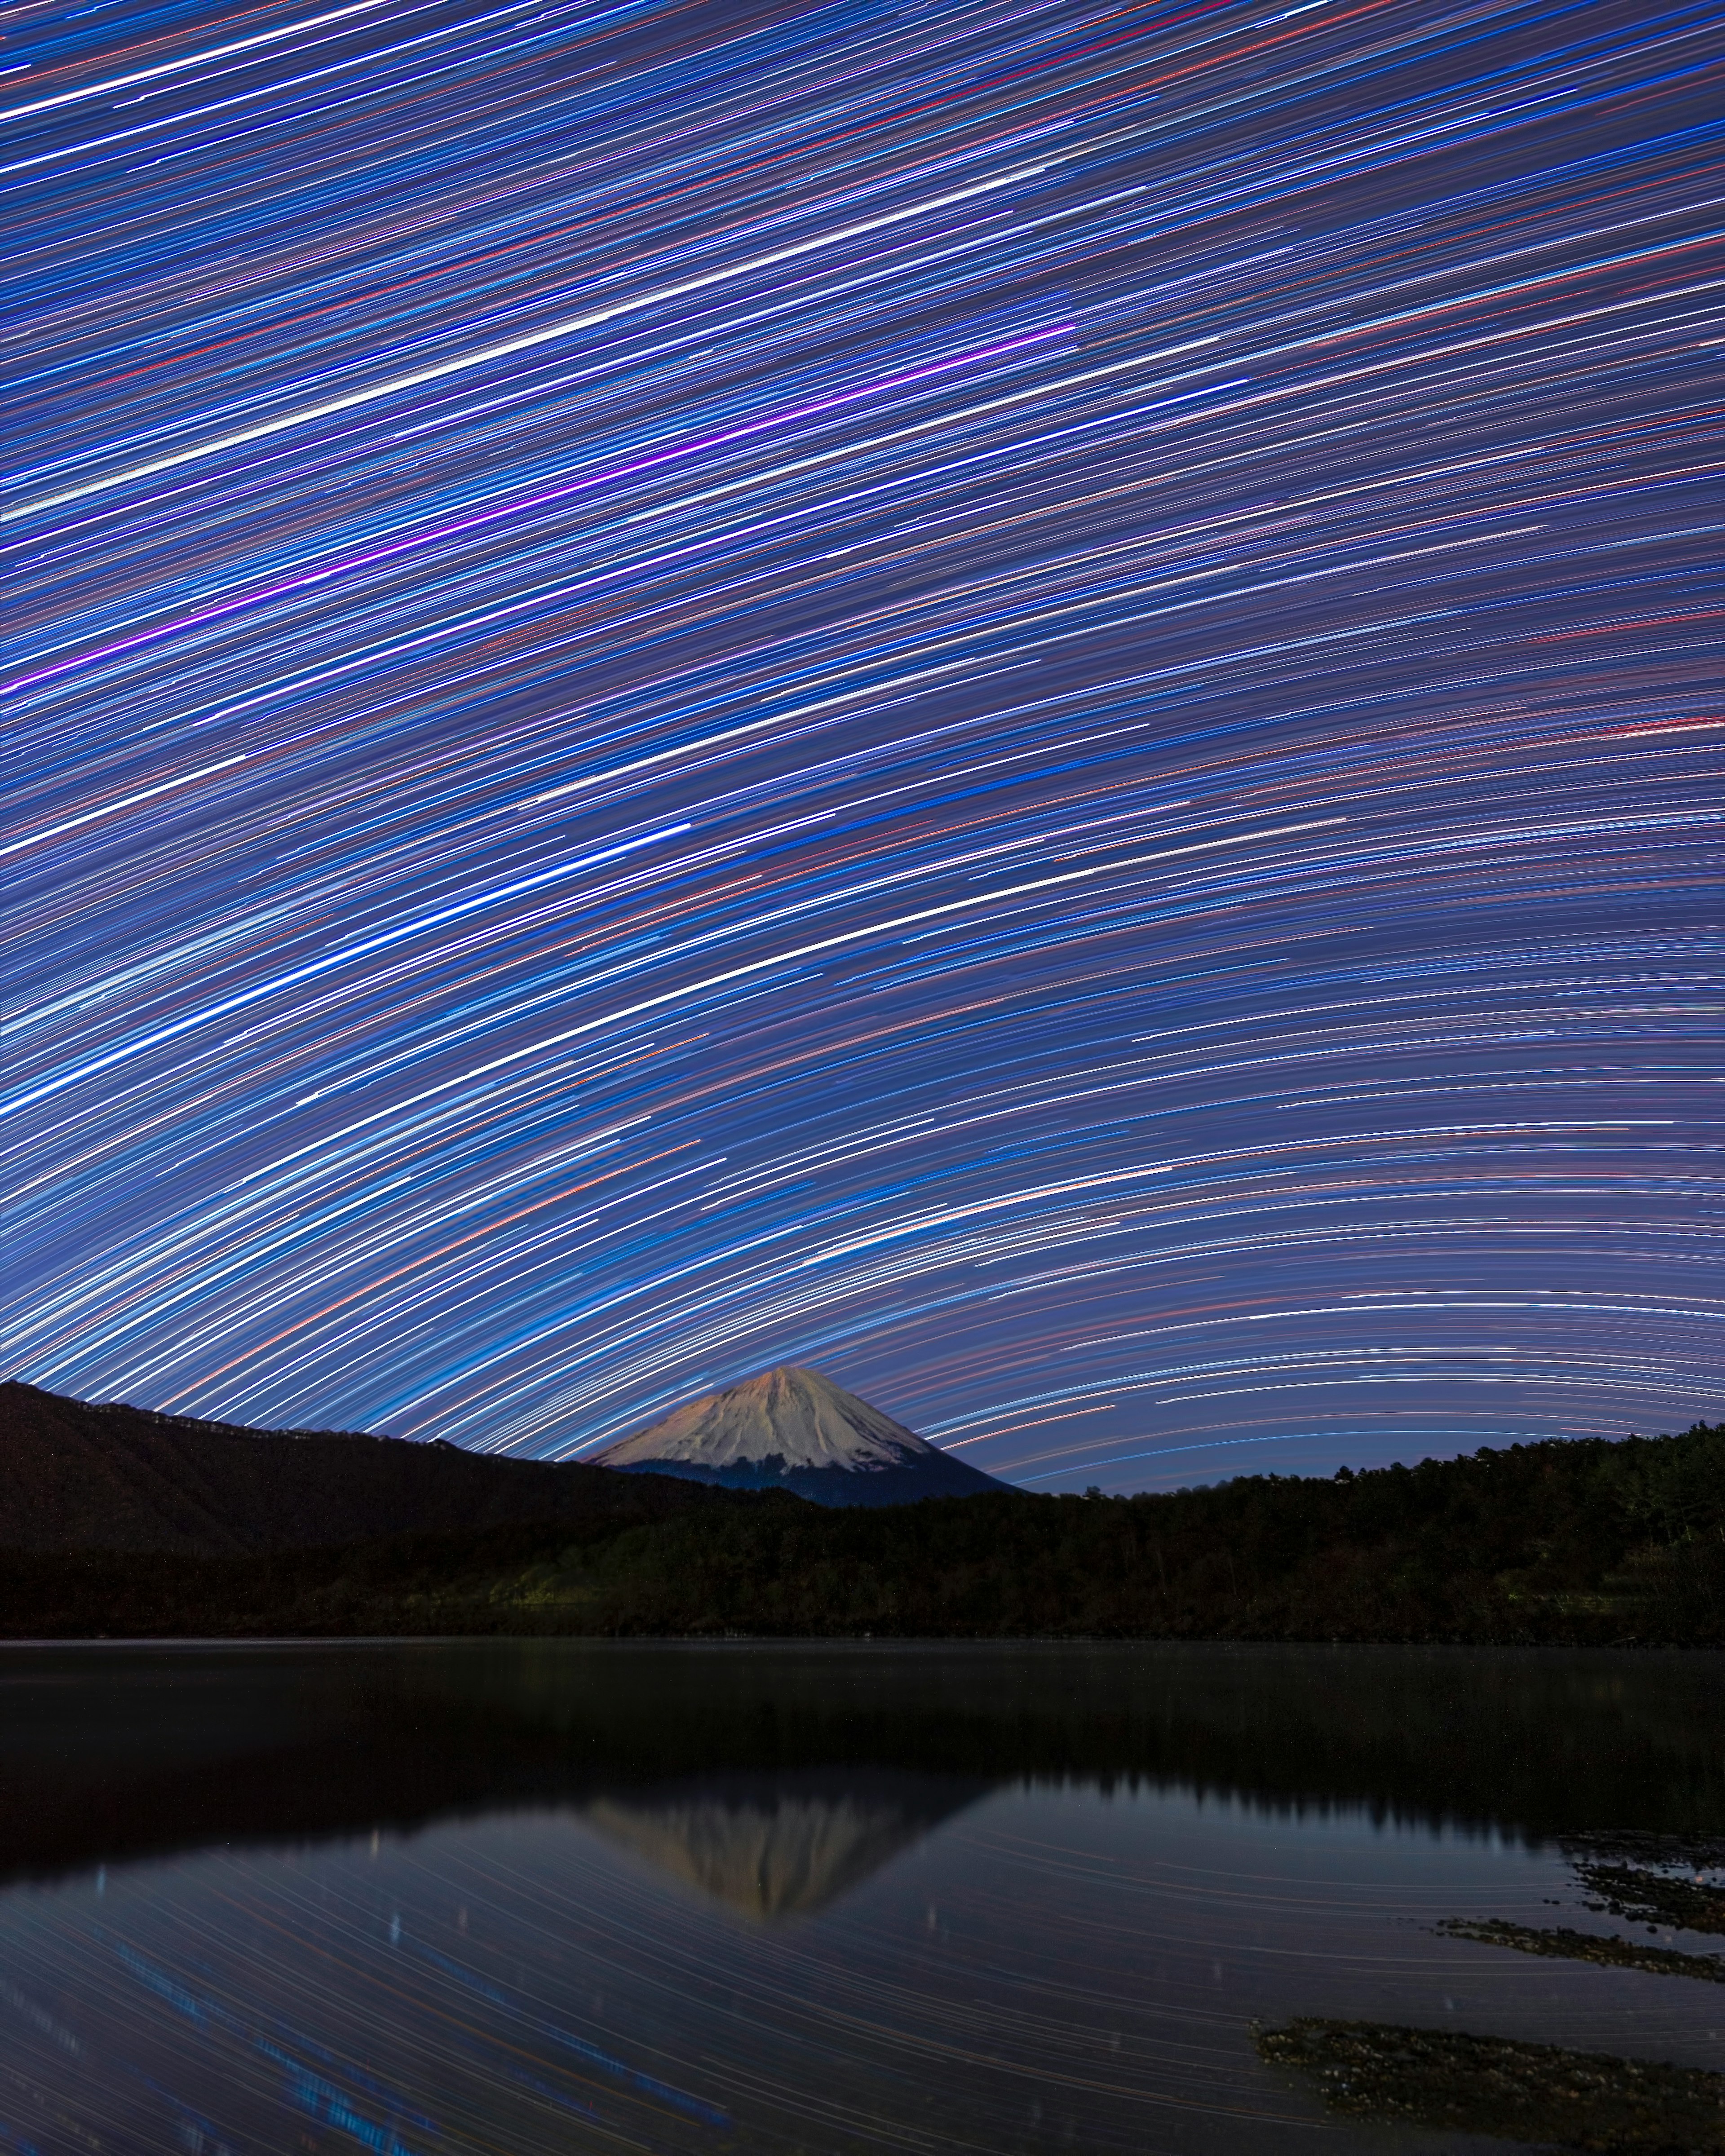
[(1020, 700)]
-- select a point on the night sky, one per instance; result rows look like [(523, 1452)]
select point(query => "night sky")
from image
[(1016, 700)]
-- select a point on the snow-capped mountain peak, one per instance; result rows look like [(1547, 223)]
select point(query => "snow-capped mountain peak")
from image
[(794, 1429)]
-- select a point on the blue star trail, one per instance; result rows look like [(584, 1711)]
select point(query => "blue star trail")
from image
[(1020, 700)]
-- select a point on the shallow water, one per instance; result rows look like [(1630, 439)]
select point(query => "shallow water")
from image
[(529, 1896)]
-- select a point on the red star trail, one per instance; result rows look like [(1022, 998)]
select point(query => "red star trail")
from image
[(1019, 701)]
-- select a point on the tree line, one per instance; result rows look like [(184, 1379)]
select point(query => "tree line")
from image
[(1577, 1542)]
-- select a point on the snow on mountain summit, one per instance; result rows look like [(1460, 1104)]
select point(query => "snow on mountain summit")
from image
[(796, 1430), (794, 1415)]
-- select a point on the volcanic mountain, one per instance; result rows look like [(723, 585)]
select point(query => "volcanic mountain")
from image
[(794, 1429)]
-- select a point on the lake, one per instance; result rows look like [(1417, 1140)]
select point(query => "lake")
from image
[(542, 1896)]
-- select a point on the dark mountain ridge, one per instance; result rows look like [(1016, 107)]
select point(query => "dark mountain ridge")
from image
[(119, 1523), (1574, 1542), (80, 1476)]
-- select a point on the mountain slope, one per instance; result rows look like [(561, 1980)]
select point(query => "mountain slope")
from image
[(77, 1476), (794, 1429)]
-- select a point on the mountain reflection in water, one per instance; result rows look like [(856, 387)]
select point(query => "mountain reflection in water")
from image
[(785, 1846), (799, 1900), (109, 1752)]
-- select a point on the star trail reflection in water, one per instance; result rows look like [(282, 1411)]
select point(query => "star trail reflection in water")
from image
[(1011, 700), (534, 1897)]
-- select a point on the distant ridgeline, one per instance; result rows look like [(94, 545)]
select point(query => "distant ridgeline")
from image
[(111, 1477), (120, 1524)]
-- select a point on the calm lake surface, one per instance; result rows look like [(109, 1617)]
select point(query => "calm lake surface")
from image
[(537, 1896)]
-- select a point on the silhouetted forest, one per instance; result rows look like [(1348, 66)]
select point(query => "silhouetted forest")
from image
[(1580, 1542)]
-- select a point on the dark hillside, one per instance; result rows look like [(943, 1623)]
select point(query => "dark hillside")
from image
[(80, 1477), (1583, 1543)]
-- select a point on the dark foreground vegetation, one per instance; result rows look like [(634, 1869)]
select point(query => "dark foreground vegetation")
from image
[(1563, 1942), (1528, 2092), (1585, 1542)]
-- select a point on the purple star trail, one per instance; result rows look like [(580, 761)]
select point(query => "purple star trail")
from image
[(1019, 700)]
